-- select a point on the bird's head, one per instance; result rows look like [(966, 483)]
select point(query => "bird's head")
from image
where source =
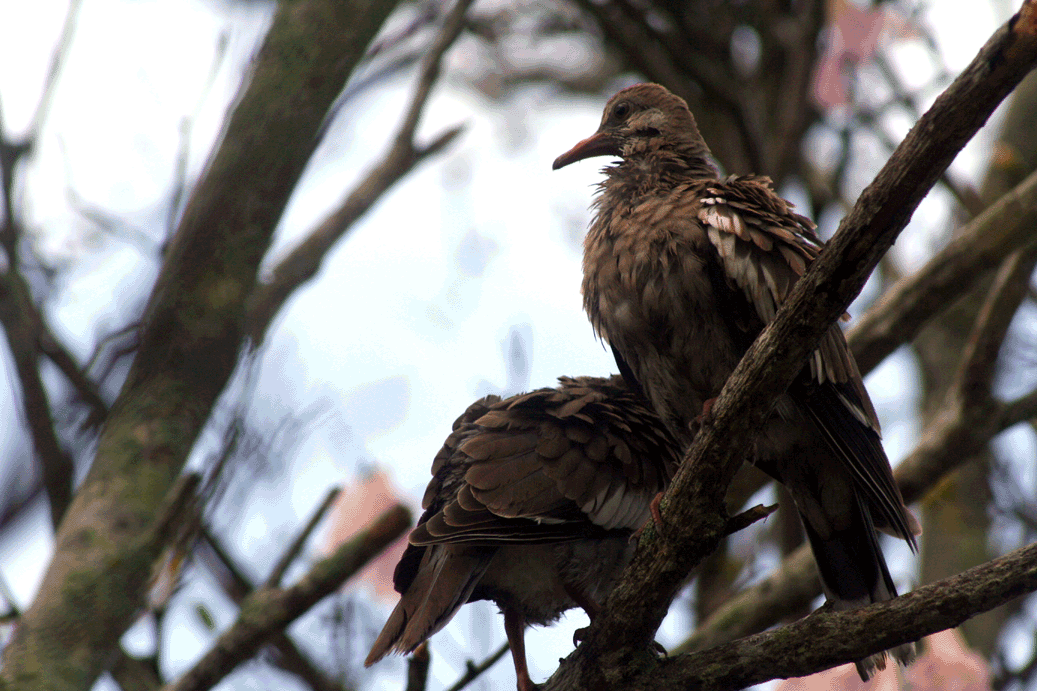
[(643, 120)]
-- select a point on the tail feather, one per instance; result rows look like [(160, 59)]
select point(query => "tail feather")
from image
[(444, 581), (853, 574)]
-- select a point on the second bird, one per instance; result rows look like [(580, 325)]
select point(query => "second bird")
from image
[(682, 270)]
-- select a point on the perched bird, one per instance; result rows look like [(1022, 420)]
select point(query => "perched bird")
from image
[(532, 503), (682, 270)]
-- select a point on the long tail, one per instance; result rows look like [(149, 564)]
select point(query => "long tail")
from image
[(854, 574), (443, 582)]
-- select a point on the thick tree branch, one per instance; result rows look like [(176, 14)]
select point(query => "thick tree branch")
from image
[(303, 262), (190, 341), (827, 638), (617, 643), (269, 610)]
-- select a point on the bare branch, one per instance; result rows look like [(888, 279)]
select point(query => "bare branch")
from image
[(693, 506), (474, 670), (57, 61), (790, 588), (303, 262), (269, 610), (277, 573), (22, 330), (417, 668), (65, 361)]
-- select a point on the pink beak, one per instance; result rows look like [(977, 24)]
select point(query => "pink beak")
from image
[(598, 144)]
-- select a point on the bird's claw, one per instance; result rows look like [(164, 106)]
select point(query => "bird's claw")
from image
[(579, 634)]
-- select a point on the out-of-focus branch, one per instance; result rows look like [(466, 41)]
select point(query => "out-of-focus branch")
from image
[(730, 140), (303, 262), (277, 573), (417, 668), (269, 610), (982, 244), (57, 61), (65, 361), (190, 342), (618, 640), (21, 329), (238, 587)]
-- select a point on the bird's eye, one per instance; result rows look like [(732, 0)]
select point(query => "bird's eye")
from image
[(621, 110)]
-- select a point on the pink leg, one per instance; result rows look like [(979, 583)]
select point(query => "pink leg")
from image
[(656, 516), (514, 629)]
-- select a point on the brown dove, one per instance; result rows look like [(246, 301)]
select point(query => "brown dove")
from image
[(532, 503), (682, 270)]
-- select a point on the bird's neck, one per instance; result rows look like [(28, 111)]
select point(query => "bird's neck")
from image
[(651, 174)]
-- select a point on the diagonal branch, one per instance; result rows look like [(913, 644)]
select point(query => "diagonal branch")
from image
[(303, 262), (22, 331), (618, 639)]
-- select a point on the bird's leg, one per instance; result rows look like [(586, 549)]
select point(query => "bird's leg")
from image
[(514, 629), (656, 516)]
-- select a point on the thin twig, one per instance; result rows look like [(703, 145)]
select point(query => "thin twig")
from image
[(417, 668), (474, 670), (277, 573)]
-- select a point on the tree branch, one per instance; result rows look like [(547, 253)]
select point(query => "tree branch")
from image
[(617, 642), (22, 331), (269, 610), (969, 420), (827, 637)]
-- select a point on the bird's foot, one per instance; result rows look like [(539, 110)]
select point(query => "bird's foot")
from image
[(579, 634), (657, 518), (707, 411)]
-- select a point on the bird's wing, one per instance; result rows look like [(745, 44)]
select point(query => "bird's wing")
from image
[(550, 465), (764, 248)]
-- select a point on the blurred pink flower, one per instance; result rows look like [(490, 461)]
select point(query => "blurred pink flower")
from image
[(853, 35), (947, 665), (355, 507)]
